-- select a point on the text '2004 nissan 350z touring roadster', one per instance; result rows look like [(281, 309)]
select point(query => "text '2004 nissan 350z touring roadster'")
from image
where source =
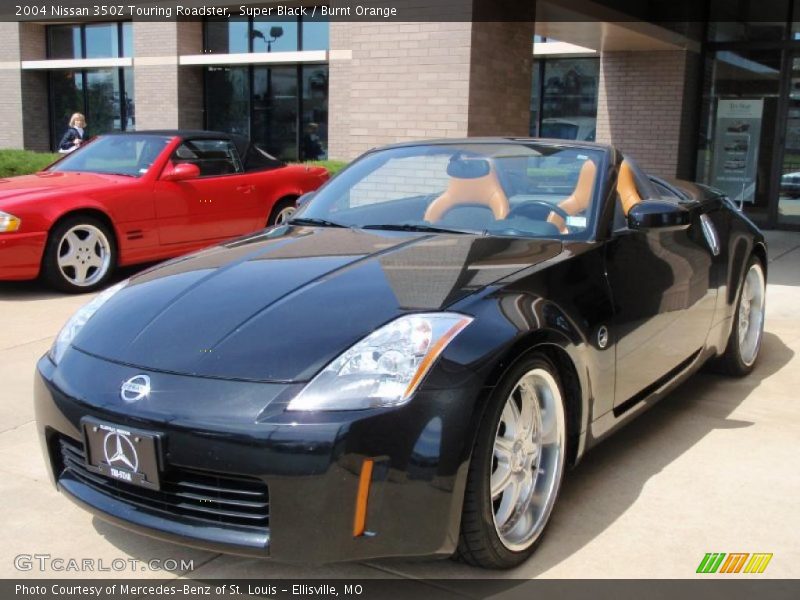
[(406, 367)]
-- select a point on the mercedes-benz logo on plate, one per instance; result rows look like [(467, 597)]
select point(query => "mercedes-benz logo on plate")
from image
[(119, 451), (135, 388)]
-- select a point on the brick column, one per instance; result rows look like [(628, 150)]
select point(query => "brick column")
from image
[(501, 68), (167, 96), (24, 116), (646, 107)]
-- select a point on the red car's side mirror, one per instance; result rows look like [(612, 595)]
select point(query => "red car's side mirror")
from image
[(181, 172)]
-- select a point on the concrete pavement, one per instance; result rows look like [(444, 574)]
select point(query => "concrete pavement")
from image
[(711, 469)]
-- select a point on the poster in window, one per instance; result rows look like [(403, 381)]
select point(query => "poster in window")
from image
[(736, 142)]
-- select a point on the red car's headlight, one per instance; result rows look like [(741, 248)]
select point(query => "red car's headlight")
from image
[(9, 223)]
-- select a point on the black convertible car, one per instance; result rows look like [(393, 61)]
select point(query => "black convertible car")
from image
[(410, 364)]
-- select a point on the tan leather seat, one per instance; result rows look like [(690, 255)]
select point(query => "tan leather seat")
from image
[(581, 196), (626, 188), (480, 191)]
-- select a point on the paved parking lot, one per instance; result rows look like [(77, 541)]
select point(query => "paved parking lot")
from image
[(711, 469)]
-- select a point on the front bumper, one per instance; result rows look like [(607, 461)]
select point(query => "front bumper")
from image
[(310, 463), (21, 255)]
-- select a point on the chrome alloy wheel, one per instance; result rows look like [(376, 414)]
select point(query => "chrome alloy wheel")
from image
[(751, 314), (284, 215), (528, 459), (83, 255)]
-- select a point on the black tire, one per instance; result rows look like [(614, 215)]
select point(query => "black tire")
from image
[(96, 277), (479, 542), (280, 206), (732, 362)]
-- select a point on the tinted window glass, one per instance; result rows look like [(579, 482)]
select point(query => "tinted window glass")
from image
[(316, 34), (212, 157), (102, 40), (274, 36), (228, 36), (127, 39), (314, 142), (64, 41), (228, 99), (275, 110)]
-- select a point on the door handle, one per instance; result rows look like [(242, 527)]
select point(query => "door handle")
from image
[(245, 189)]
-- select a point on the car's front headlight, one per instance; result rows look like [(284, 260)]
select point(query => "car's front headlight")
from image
[(9, 223), (79, 319), (385, 368)]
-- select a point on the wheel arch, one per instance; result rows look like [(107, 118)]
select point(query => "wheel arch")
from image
[(95, 213), (566, 358), (285, 195)]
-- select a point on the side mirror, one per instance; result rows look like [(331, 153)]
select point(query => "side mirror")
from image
[(658, 214), (305, 199), (181, 172)]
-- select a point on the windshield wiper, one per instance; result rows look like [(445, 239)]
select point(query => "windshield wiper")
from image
[(418, 227), (313, 221)]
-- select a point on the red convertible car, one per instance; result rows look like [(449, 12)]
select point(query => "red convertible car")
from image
[(130, 198)]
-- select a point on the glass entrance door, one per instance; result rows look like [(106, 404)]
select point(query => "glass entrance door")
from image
[(788, 209)]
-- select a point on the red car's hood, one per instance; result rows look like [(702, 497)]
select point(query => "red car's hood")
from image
[(45, 183)]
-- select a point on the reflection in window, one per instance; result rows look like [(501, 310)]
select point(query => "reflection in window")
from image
[(228, 99), (564, 100), (105, 96), (101, 40), (227, 36), (314, 142), (275, 110), (274, 36), (237, 35)]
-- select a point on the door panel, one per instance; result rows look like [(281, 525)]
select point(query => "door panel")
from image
[(663, 299), (221, 203)]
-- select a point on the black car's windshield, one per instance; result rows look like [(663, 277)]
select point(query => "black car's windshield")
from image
[(128, 154), (516, 189)]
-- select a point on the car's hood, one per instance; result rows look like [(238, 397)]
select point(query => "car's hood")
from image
[(280, 305), (48, 182)]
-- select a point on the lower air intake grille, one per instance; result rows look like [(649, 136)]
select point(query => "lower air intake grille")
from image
[(206, 496)]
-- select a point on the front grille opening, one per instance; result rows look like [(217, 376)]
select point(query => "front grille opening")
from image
[(202, 495)]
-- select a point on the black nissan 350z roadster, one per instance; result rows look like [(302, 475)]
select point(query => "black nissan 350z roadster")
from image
[(409, 365)]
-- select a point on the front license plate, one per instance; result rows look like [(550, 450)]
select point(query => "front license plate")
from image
[(125, 454)]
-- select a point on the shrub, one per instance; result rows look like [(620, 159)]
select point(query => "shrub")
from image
[(22, 162)]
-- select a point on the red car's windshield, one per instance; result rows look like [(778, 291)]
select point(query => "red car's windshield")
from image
[(130, 154)]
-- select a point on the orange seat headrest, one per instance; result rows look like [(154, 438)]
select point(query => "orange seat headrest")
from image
[(474, 191), (626, 188)]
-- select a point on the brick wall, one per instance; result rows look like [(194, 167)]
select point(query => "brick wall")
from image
[(500, 78), (396, 82), (167, 96), (642, 99), (11, 134)]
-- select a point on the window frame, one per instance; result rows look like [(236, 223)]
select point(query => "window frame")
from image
[(237, 159)]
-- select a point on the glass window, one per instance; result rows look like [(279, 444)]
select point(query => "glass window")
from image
[(274, 36), (316, 33), (213, 157), (536, 97), (125, 155), (228, 99), (747, 20), (314, 144), (128, 101), (740, 108), (426, 183), (275, 101), (127, 39), (102, 40), (227, 36), (103, 111), (66, 97), (64, 41), (569, 99)]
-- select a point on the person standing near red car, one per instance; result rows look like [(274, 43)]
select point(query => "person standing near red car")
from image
[(74, 135)]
